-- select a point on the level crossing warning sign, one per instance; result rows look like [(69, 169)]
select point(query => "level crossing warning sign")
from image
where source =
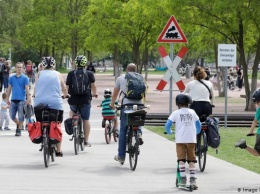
[(172, 33)]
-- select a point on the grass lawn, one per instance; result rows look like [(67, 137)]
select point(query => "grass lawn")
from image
[(226, 150)]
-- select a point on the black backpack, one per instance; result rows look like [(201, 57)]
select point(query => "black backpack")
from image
[(135, 87), (213, 132), (80, 83)]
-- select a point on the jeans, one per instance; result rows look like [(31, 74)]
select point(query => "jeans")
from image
[(6, 77), (122, 134), (17, 107)]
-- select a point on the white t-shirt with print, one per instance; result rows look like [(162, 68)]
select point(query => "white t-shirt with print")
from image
[(185, 127)]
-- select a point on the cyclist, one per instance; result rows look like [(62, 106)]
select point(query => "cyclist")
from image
[(187, 126), (242, 143), (121, 83), (84, 101), (48, 90), (107, 111), (200, 91)]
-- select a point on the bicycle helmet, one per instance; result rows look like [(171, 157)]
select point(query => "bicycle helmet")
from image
[(256, 96), (81, 61), (183, 99), (48, 62), (107, 93)]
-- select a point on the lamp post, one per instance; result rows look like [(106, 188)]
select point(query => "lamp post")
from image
[(10, 54)]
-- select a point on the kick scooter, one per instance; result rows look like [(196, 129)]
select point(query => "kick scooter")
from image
[(178, 180)]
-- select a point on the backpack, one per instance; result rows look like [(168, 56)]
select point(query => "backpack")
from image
[(80, 82), (213, 132), (135, 87), (29, 69)]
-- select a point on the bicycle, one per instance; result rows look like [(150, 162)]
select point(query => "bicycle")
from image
[(78, 133), (202, 147), (108, 123), (135, 117), (47, 146)]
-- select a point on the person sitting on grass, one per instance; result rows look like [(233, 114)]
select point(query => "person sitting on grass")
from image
[(242, 143)]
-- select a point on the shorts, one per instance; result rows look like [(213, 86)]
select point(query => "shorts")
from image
[(84, 110), (257, 143), (186, 151), (201, 108), (17, 107)]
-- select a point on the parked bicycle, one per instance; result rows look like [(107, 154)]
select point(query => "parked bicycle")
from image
[(78, 133), (135, 117)]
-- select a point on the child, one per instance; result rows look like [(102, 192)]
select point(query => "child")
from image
[(242, 143), (187, 126), (107, 112), (3, 113)]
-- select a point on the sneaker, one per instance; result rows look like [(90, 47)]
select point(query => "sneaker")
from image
[(59, 154), (183, 181), (116, 132), (18, 132), (6, 128), (141, 142), (119, 159), (87, 144), (193, 182), (241, 144)]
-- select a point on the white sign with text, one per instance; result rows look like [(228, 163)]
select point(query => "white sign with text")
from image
[(227, 55)]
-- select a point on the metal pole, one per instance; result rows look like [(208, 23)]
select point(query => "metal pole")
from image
[(225, 88), (170, 96)]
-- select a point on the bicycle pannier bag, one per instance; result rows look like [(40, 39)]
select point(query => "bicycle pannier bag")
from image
[(80, 82), (213, 132), (68, 126), (135, 86), (55, 132), (35, 132)]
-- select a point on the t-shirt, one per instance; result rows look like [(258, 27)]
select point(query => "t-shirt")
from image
[(106, 110), (82, 99), (18, 86), (198, 91), (3, 110), (185, 125)]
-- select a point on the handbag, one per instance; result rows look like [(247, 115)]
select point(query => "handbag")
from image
[(35, 132), (55, 132), (210, 96)]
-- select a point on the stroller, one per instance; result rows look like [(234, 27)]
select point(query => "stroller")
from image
[(230, 82)]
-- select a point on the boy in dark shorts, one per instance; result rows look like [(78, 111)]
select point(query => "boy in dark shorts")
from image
[(242, 143), (187, 125)]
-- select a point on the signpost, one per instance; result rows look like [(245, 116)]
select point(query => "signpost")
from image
[(171, 33), (226, 58)]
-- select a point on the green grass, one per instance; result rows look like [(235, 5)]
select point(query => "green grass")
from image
[(226, 150)]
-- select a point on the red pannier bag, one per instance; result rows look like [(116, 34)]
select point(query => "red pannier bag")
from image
[(55, 132), (35, 132)]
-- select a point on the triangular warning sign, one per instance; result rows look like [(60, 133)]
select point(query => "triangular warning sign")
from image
[(172, 32)]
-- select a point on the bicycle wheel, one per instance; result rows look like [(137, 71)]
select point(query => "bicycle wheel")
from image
[(202, 151), (133, 149), (81, 136), (108, 133), (46, 151), (76, 140)]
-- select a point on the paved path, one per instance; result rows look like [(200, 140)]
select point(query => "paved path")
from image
[(94, 171)]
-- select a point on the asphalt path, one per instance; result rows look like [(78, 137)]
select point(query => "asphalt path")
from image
[(94, 170)]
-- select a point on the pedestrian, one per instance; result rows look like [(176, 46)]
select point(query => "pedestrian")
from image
[(29, 71), (187, 125), (121, 85), (2, 65), (107, 112), (48, 89), (201, 92), (208, 73), (4, 117), (81, 98), (242, 143), (6, 75), (239, 79), (18, 85), (91, 67)]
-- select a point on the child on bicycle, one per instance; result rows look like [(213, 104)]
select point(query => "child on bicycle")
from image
[(187, 126), (4, 116), (242, 143), (107, 112)]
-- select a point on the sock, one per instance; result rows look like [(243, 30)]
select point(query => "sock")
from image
[(182, 170), (192, 172)]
